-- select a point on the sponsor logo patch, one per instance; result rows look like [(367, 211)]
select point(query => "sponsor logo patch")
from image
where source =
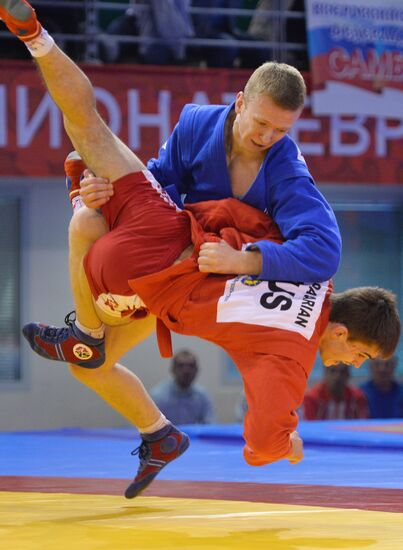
[(83, 352), (250, 281)]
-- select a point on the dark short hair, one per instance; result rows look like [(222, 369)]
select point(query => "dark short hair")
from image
[(184, 356), (283, 83), (370, 315)]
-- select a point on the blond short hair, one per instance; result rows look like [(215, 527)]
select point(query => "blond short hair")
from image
[(283, 83)]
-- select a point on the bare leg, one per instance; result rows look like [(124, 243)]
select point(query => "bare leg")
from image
[(115, 384), (71, 90)]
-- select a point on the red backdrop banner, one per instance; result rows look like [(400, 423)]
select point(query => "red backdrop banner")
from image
[(142, 104)]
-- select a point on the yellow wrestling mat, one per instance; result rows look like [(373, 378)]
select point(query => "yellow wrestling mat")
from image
[(46, 521)]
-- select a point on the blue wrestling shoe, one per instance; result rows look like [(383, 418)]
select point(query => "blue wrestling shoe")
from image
[(68, 344), (155, 452)]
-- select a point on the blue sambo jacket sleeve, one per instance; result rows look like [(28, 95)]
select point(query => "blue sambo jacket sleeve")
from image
[(312, 249)]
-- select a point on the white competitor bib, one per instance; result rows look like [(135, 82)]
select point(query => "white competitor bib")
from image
[(273, 304)]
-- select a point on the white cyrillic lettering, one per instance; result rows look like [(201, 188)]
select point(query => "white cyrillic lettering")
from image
[(26, 129), (338, 127), (200, 98), (136, 120), (307, 125), (383, 133)]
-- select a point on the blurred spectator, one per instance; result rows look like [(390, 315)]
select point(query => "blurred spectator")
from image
[(106, 15), (268, 28), (180, 399), (263, 26), (165, 19), (69, 20), (243, 21), (384, 393), (113, 50), (334, 398), (56, 20), (216, 26)]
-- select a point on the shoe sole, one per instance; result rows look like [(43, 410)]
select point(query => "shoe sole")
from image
[(13, 13), (18, 11)]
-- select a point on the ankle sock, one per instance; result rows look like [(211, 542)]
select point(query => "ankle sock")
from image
[(41, 45), (157, 430), (94, 333), (76, 203)]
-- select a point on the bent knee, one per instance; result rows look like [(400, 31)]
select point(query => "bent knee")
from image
[(87, 224)]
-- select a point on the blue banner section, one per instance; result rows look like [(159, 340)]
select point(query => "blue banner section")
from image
[(356, 57), (320, 42)]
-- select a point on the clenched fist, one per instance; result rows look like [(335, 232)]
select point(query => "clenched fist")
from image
[(220, 257)]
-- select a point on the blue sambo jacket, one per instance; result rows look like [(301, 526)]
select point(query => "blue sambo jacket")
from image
[(192, 163)]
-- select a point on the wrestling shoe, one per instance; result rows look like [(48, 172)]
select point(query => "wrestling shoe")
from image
[(155, 452), (74, 167), (20, 19), (68, 344)]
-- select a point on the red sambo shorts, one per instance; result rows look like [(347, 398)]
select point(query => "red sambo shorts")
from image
[(147, 233)]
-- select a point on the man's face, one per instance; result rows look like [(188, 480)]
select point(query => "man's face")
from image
[(382, 371), (260, 123), (184, 373), (337, 377), (338, 348)]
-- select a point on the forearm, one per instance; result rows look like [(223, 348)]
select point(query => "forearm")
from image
[(73, 93), (249, 263)]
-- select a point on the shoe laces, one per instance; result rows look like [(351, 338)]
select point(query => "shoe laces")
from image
[(55, 334), (70, 318), (144, 452)]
